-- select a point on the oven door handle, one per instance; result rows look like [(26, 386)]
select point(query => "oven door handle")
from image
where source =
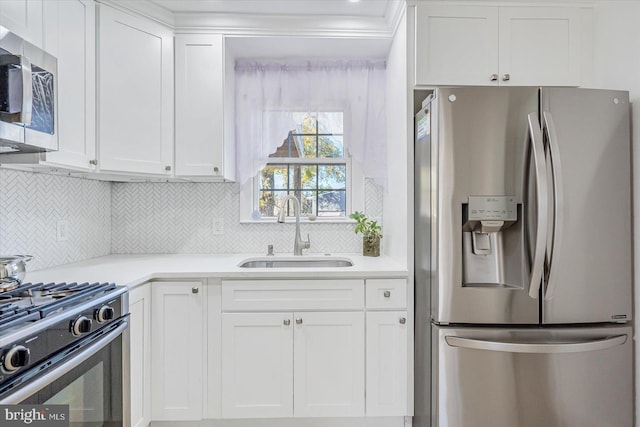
[(64, 368)]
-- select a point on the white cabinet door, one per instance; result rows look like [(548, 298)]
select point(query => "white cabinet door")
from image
[(199, 105), (23, 17), (69, 28), (329, 364), (257, 365), (140, 342), (135, 92), (456, 45), (540, 46), (387, 363), (177, 350)]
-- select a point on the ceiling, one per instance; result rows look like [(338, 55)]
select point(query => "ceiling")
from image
[(363, 8)]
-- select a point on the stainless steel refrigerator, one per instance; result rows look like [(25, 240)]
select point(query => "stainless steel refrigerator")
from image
[(523, 258)]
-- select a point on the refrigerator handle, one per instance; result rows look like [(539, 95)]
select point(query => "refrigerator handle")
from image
[(537, 267), (549, 128), (529, 347)]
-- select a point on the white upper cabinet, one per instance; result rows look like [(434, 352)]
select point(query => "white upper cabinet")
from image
[(456, 45), (135, 94), (477, 45), (200, 122), (69, 35), (539, 46), (23, 17)]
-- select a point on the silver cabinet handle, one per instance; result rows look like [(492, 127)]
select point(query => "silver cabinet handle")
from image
[(494, 77), (537, 266), (299, 321), (555, 167), (167, 168), (93, 162), (403, 320), (195, 290), (387, 294), (216, 169), (506, 77), (287, 322), (551, 347)]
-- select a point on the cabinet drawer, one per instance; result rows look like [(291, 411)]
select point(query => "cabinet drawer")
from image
[(386, 293), (264, 295)]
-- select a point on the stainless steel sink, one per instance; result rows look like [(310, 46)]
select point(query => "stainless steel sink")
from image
[(296, 262)]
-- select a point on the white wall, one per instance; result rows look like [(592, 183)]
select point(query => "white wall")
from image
[(616, 65), (395, 213)]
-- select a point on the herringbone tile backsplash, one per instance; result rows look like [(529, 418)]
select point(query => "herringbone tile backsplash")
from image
[(123, 218), (178, 218), (31, 206)]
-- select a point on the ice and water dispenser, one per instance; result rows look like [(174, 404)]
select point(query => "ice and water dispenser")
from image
[(492, 242)]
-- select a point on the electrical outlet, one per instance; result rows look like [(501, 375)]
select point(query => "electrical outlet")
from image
[(218, 226), (62, 230)]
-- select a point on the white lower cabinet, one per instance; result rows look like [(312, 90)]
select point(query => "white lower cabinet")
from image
[(140, 351), (387, 363), (303, 364), (257, 361), (328, 360), (177, 350)]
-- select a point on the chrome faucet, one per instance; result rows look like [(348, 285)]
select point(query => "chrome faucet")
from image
[(298, 244)]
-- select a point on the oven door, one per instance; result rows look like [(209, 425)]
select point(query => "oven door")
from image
[(93, 381)]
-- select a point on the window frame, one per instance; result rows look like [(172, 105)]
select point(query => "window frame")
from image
[(250, 192)]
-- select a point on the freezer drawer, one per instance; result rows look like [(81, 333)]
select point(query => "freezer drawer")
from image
[(566, 377)]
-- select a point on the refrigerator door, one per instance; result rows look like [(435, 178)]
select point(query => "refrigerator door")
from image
[(481, 152), (587, 134), (566, 377)]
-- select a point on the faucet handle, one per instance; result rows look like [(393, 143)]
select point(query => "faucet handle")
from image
[(270, 250), (307, 244)]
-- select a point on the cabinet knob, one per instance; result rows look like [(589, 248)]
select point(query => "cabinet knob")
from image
[(387, 294), (506, 77), (216, 169), (167, 168), (299, 321), (195, 290), (287, 322), (494, 77), (403, 320), (93, 162)]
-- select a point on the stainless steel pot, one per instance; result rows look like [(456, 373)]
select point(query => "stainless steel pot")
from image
[(12, 270)]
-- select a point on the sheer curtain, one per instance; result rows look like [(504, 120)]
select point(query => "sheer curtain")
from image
[(268, 93)]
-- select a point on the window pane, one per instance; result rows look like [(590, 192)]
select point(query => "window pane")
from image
[(308, 124), (283, 150), (271, 201), (330, 146), (274, 177), (330, 122), (332, 203), (303, 176), (308, 203), (332, 176)]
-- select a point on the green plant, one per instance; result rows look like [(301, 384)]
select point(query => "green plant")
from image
[(366, 226)]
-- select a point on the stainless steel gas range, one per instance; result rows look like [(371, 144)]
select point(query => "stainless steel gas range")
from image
[(67, 343)]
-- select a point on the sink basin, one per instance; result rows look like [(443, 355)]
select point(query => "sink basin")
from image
[(295, 262)]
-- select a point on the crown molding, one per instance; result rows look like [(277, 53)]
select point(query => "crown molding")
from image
[(266, 24)]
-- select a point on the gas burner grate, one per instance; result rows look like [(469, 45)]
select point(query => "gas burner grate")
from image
[(34, 301)]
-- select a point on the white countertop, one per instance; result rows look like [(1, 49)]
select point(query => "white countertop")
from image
[(132, 270)]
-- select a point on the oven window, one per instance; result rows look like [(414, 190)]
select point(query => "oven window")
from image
[(93, 390)]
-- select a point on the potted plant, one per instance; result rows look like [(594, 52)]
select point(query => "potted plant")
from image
[(371, 232)]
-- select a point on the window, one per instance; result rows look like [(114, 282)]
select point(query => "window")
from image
[(310, 164)]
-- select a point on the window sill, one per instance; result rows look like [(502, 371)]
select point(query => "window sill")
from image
[(303, 220)]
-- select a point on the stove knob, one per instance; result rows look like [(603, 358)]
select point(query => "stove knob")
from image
[(81, 325), (16, 357), (104, 314)]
